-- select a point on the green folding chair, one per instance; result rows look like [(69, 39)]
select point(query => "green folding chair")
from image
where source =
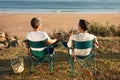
[(38, 57), (86, 63)]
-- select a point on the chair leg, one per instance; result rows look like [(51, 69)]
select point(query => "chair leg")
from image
[(94, 67), (30, 64), (51, 64), (72, 66)]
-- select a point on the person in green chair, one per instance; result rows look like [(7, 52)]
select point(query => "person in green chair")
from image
[(80, 47), (40, 46), (83, 35), (37, 35)]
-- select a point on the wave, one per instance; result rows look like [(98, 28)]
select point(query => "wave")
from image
[(38, 11)]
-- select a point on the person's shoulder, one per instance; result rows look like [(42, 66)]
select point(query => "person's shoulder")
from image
[(92, 35), (29, 33), (89, 34), (74, 36), (42, 32), (77, 34)]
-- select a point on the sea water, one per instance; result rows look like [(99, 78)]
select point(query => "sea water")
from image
[(59, 6)]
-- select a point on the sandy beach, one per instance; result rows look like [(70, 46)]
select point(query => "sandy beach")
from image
[(19, 24)]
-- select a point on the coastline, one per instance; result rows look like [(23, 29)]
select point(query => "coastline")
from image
[(58, 11), (19, 23)]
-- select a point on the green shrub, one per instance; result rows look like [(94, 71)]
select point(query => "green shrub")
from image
[(107, 30), (62, 34)]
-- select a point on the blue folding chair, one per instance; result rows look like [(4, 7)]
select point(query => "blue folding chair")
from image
[(38, 57)]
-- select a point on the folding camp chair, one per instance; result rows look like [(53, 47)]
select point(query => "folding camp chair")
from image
[(38, 57), (86, 63)]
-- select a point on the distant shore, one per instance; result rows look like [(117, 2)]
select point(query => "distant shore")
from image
[(19, 24)]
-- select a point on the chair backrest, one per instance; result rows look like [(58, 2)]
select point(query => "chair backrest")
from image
[(83, 44), (37, 44)]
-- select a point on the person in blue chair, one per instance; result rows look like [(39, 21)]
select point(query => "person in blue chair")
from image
[(37, 35), (83, 35)]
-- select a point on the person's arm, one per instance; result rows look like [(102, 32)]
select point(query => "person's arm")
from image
[(69, 44), (71, 47), (96, 43), (50, 41), (47, 36)]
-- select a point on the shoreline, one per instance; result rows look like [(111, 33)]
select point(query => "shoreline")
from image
[(19, 24), (12, 11)]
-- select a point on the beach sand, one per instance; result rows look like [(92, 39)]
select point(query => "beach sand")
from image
[(19, 24)]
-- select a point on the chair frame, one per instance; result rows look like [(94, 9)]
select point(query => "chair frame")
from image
[(80, 60), (34, 60)]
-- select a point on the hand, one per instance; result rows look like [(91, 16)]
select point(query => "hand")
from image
[(51, 41), (70, 34)]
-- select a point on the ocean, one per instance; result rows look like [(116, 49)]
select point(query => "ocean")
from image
[(59, 6)]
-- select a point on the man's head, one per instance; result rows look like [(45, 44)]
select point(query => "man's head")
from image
[(36, 23), (83, 24)]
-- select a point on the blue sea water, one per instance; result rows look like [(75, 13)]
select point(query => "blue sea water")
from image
[(60, 6)]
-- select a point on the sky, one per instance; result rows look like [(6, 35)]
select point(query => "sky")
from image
[(68, 0)]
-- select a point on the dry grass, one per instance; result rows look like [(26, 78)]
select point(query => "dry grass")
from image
[(107, 58)]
